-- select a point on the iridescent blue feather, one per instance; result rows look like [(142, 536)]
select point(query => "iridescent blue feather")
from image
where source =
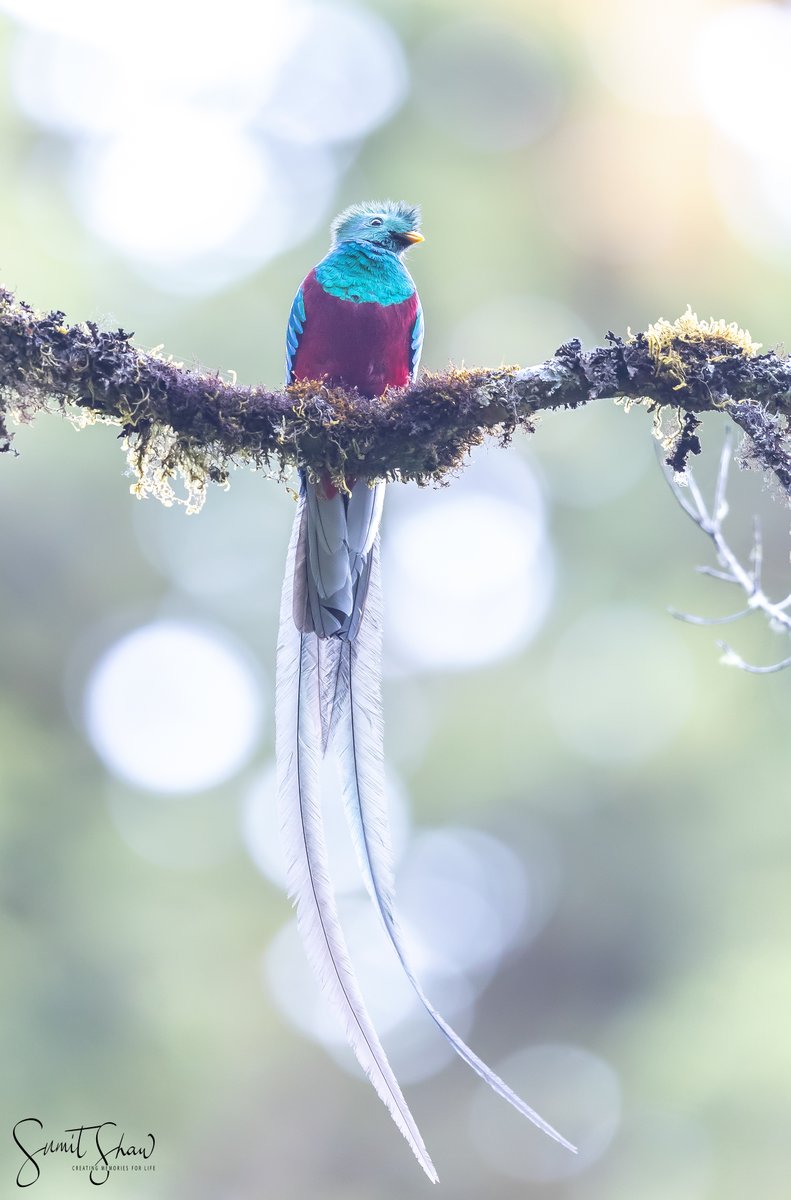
[(416, 345), (296, 324)]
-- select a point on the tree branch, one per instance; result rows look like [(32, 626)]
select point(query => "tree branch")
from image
[(179, 422)]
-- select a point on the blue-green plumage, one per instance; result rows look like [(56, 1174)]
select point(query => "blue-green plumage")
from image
[(365, 274)]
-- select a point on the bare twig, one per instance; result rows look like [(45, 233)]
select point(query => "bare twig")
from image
[(715, 574), (748, 579), (731, 659), (692, 620)]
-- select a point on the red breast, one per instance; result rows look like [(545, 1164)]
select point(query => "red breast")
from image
[(366, 346)]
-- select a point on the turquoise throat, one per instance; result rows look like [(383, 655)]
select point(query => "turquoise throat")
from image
[(365, 274)]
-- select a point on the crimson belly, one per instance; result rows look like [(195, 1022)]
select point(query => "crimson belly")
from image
[(366, 346)]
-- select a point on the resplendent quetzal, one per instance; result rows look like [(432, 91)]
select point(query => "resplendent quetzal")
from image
[(356, 321)]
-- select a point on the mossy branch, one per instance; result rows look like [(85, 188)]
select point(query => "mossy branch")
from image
[(180, 423)]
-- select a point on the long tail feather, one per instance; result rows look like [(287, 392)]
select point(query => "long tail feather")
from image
[(298, 748), (332, 684), (358, 736), (335, 542)]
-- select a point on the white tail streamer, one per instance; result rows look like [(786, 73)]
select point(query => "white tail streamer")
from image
[(298, 742), (358, 735)]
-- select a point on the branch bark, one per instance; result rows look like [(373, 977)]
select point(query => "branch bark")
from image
[(179, 422)]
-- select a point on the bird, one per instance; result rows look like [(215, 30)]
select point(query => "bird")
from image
[(356, 322)]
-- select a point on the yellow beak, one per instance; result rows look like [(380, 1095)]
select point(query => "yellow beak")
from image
[(412, 238)]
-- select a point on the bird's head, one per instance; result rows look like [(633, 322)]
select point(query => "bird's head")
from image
[(391, 224)]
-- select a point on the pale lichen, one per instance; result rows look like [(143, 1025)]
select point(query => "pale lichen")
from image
[(669, 343), (155, 462)]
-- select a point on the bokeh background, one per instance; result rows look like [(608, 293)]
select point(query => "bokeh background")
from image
[(591, 813)]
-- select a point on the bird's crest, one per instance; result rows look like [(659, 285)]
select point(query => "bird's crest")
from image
[(406, 215)]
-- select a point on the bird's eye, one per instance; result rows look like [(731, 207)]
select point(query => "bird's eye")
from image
[(376, 221)]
